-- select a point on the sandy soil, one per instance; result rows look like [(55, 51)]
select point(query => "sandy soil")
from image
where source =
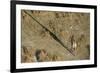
[(72, 29)]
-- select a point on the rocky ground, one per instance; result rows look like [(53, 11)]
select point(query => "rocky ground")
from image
[(40, 44)]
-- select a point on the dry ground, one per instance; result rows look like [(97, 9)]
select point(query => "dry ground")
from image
[(69, 27)]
